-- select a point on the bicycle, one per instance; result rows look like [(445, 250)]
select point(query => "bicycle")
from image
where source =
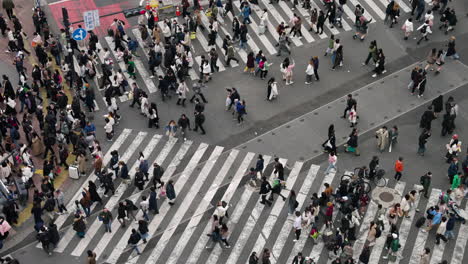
[(358, 178)]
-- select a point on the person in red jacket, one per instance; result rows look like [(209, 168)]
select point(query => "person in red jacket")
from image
[(398, 168)]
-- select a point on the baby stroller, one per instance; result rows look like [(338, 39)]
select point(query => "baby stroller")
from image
[(459, 213)]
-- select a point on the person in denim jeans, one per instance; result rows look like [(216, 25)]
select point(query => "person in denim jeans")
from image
[(450, 226), (106, 217)]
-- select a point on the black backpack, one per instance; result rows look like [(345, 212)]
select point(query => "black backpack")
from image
[(378, 232), (423, 29)]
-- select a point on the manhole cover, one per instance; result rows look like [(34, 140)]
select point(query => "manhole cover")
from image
[(452, 85), (385, 117), (395, 76), (386, 197), (399, 110)]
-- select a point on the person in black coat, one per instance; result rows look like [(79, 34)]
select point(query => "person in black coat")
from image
[(158, 172), (121, 214), (54, 235), (139, 179), (93, 192), (279, 169), (170, 192), (153, 202), (265, 188), (133, 241), (298, 259), (438, 105), (365, 255), (373, 165), (426, 118)]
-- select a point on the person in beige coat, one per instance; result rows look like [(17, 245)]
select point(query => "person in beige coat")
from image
[(425, 256), (382, 138), (372, 233), (81, 160), (37, 147)]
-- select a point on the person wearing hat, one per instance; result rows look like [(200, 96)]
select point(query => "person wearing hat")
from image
[(394, 247), (298, 259)]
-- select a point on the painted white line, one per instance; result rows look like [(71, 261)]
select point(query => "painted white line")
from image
[(380, 242), (242, 170), (236, 214), (367, 15), (121, 64), (242, 53), (299, 245), (460, 245), (94, 227), (279, 19), (122, 244), (203, 206), (404, 6), (270, 26), (421, 239), (59, 2), (251, 222), (288, 224), (333, 30), (290, 14), (219, 43), (203, 42), (137, 35), (376, 9), (115, 146), (205, 202), (114, 200), (278, 207), (253, 46), (364, 230), (255, 29)]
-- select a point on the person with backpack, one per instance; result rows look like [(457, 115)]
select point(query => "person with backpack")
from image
[(425, 181), (44, 238), (435, 217), (106, 218), (394, 247), (265, 188), (424, 29)]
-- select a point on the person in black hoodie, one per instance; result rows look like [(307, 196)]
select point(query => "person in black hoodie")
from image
[(143, 230), (133, 241), (54, 236), (265, 188)]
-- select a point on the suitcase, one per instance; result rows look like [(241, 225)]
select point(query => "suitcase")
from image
[(420, 222), (73, 172)]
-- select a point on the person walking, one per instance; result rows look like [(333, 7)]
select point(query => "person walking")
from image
[(382, 138), (424, 29), (398, 168), (121, 214), (422, 140), (372, 54), (353, 116), (44, 237), (332, 160), (292, 203), (350, 102), (297, 226), (422, 84), (380, 65), (153, 201), (440, 234), (144, 206), (79, 225), (427, 118), (106, 218), (408, 28), (170, 192), (199, 120), (8, 5), (272, 89), (425, 256), (133, 241), (91, 259), (265, 188), (143, 230)]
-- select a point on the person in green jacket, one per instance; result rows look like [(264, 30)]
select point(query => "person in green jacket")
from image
[(372, 53), (131, 70), (456, 180), (394, 247)]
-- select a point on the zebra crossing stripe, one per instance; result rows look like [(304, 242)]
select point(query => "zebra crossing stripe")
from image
[(180, 183), (137, 34), (250, 224), (333, 30), (203, 41), (105, 160), (219, 43), (299, 245), (290, 14), (422, 236), (92, 230), (279, 19), (376, 9), (286, 229), (403, 6), (460, 245), (114, 200), (367, 15), (236, 214), (242, 170), (205, 204), (122, 244), (380, 242), (185, 205), (241, 52), (278, 207), (255, 29), (101, 58), (121, 63), (364, 230)]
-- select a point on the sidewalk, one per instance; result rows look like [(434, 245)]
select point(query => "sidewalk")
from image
[(377, 103)]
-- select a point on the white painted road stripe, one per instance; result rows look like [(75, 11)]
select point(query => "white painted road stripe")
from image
[(367, 15), (137, 35), (376, 9), (200, 245), (421, 239), (234, 219), (204, 205), (250, 224), (114, 200), (364, 230), (460, 245), (185, 205), (122, 244), (380, 242), (301, 199), (94, 227), (290, 14), (278, 207), (299, 245), (121, 64)]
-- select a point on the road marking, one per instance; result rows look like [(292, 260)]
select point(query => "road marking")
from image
[(380, 242), (113, 200), (286, 229), (290, 14), (460, 245), (58, 2), (122, 244), (185, 205), (121, 64), (299, 245), (203, 206), (236, 214), (421, 239), (250, 224), (376, 9), (137, 34), (367, 15)]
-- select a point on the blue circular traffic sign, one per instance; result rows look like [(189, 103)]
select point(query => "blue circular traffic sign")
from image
[(79, 34)]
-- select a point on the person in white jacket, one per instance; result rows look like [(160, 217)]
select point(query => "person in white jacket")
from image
[(108, 128), (166, 31), (272, 87), (182, 91), (309, 72), (408, 28), (263, 22), (425, 29)]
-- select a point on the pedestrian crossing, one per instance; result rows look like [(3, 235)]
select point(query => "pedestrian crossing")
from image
[(279, 12), (205, 174)]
